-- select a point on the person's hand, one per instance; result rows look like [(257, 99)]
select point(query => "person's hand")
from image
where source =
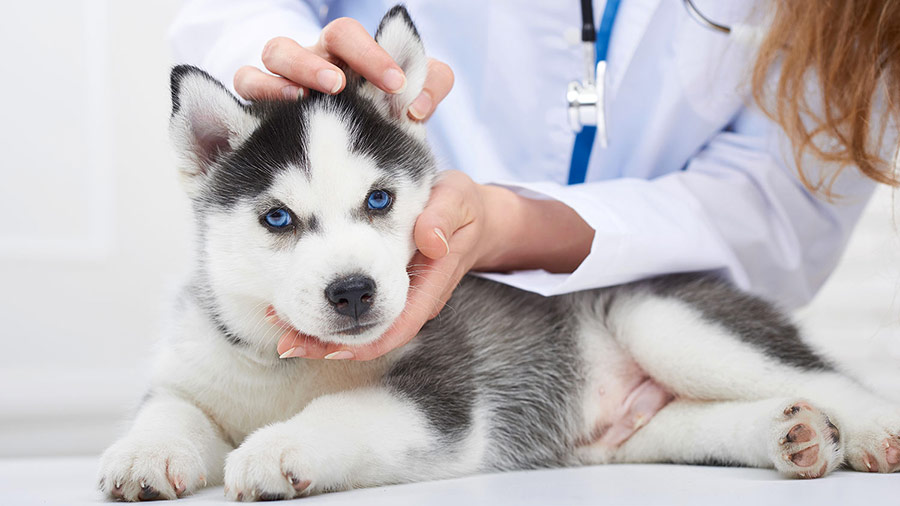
[(452, 236), (298, 69)]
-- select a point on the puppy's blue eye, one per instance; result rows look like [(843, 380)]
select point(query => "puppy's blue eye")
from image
[(278, 218), (378, 200)]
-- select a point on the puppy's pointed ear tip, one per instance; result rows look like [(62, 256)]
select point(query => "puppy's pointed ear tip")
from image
[(179, 75), (207, 120), (397, 14), (398, 36)]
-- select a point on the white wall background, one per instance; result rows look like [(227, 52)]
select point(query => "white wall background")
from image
[(94, 234), (92, 223)]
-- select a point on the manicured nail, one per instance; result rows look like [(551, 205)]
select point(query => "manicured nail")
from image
[(294, 352), (443, 239), (421, 106), (339, 355), (291, 92), (329, 79), (394, 80)]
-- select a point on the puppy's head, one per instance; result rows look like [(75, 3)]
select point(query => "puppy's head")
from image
[(307, 206)]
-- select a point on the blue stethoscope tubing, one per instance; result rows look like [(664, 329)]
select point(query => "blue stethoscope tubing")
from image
[(584, 140)]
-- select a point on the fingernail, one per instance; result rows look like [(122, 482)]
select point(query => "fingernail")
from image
[(394, 80), (421, 106), (291, 92), (443, 239), (339, 355), (329, 79), (294, 352), (270, 311)]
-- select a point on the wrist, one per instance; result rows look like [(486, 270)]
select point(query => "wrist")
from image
[(521, 233), (500, 229)]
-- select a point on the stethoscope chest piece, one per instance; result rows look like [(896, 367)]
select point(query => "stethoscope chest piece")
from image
[(585, 100)]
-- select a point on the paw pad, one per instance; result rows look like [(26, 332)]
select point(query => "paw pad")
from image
[(892, 451), (805, 458), (298, 484), (147, 492), (809, 445), (117, 491), (800, 433)]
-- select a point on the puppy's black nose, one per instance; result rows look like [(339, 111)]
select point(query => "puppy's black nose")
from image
[(351, 296)]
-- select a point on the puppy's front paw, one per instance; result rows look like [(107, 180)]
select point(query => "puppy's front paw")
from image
[(274, 464), (150, 468)]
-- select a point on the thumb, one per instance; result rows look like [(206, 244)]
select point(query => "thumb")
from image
[(445, 213)]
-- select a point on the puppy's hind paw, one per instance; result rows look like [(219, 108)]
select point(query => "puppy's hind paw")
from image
[(875, 448), (805, 442)]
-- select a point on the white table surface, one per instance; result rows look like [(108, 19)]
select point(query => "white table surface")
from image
[(71, 481)]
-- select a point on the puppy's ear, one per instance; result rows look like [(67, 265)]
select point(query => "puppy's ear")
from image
[(398, 36), (207, 122)]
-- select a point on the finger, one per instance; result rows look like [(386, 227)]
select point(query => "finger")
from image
[(448, 292), (296, 345), (349, 41), (446, 212), (286, 58), (286, 343), (254, 84), (438, 84)]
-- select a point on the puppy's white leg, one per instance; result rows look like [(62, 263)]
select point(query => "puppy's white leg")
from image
[(171, 449), (698, 358), (790, 435), (350, 439)]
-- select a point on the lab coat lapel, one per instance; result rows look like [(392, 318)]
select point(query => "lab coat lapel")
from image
[(629, 31)]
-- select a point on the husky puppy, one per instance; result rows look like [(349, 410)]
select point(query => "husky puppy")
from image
[(308, 207)]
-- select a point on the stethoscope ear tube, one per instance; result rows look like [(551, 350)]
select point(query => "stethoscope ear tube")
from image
[(703, 20), (588, 33)]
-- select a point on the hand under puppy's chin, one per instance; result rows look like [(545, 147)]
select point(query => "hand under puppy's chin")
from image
[(358, 336)]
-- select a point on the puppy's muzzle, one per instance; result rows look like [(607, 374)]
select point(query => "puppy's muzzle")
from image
[(352, 295)]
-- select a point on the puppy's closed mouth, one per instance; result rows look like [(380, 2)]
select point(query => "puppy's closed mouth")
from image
[(355, 330)]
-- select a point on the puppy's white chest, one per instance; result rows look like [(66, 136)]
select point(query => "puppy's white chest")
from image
[(241, 394)]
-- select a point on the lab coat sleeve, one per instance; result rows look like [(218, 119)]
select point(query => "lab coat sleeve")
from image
[(737, 208), (220, 36)]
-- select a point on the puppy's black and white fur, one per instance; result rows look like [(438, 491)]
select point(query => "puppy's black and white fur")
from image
[(501, 380)]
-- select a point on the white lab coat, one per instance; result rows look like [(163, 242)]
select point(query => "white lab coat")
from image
[(695, 178)]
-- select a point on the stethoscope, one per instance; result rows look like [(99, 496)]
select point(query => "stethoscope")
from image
[(586, 104)]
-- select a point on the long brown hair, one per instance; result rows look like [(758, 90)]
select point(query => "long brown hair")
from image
[(851, 51)]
